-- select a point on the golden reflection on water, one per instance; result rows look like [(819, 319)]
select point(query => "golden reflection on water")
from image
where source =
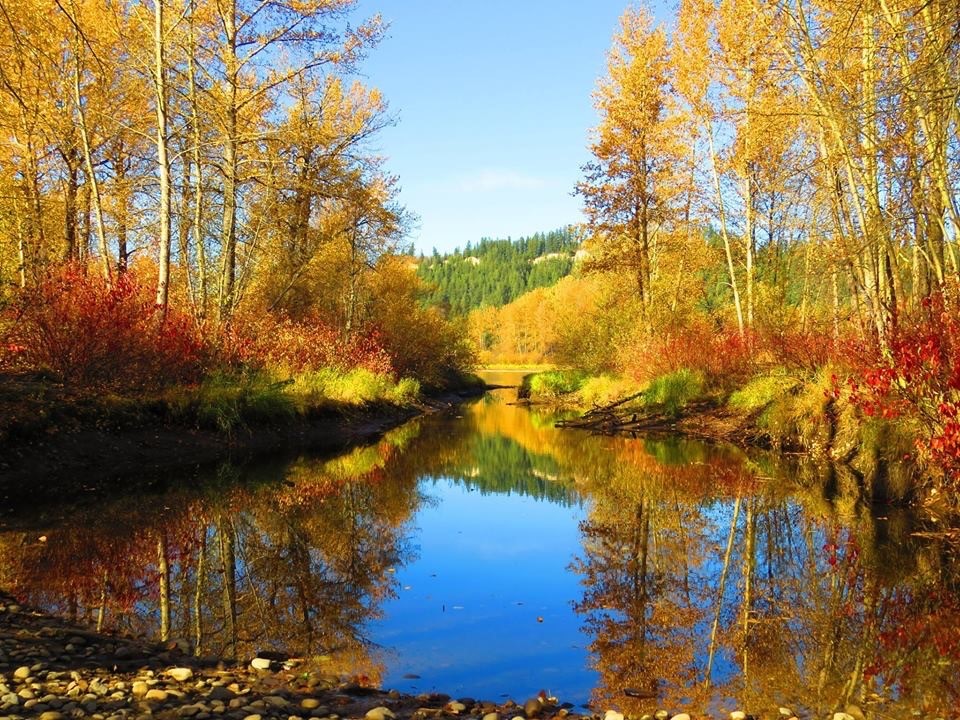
[(711, 578)]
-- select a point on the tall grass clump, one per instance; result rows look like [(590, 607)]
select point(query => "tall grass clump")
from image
[(358, 386), (763, 390), (228, 401), (672, 391), (553, 384)]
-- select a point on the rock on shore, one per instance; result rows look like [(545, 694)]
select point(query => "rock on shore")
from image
[(53, 670)]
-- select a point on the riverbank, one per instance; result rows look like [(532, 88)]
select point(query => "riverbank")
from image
[(805, 413), (82, 443), (53, 669)]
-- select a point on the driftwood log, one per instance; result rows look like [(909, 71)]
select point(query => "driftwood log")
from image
[(606, 419)]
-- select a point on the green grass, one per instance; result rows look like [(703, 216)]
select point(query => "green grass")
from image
[(671, 392), (226, 401), (354, 387), (552, 384), (604, 389), (763, 390)]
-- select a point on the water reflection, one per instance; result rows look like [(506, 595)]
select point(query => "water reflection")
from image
[(699, 577)]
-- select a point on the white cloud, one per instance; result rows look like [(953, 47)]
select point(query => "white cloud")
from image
[(493, 179)]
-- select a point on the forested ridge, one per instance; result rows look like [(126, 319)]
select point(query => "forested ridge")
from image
[(497, 272)]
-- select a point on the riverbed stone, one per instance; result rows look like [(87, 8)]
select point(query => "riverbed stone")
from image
[(156, 694), (681, 716), (492, 716), (309, 703), (180, 674), (532, 707), (855, 712), (738, 715), (21, 673), (380, 713), (51, 715), (259, 663), (613, 715)]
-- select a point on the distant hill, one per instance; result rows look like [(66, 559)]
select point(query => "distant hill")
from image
[(497, 272)]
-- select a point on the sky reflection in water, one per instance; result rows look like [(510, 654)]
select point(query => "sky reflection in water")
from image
[(437, 551)]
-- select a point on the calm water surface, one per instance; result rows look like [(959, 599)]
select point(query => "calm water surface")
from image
[(488, 554)]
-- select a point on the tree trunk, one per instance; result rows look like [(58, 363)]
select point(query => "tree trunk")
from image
[(163, 161), (228, 566), (93, 183), (228, 231), (163, 567)]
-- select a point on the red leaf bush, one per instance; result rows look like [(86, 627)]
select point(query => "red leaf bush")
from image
[(302, 345), (720, 353), (94, 334), (918, 377)]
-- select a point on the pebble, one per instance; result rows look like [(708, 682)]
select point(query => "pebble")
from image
[(21, 673), (260, 663), (156, 694), (661, 715), (786, 712), (491, 716), (738, 715), (613, 715), (180, 674), (842, 716), (51, 715), (681, 716), (456, 707), (532, 707), (380, 713), (255, 716)]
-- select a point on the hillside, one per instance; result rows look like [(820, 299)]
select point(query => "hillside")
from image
[(496, 272)]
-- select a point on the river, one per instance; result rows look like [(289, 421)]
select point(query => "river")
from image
[(485, 553)]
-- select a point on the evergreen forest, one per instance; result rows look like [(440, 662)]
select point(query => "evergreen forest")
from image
[(493, 273)]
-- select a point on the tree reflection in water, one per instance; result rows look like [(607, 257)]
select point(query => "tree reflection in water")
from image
[(711, 578), (247, 564), (706, 589)]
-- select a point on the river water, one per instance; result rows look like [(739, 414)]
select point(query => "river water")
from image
[(485, 553)]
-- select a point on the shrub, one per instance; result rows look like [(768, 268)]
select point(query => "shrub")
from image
[(719, 354), (91, 333), (295, 346), (917, 377)]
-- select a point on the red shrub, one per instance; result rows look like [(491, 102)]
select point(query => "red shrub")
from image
[(806, 350), (918, 376), (721, 354), (93, 334), (266, 340)]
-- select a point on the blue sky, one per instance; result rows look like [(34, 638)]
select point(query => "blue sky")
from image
[(493, 103)]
